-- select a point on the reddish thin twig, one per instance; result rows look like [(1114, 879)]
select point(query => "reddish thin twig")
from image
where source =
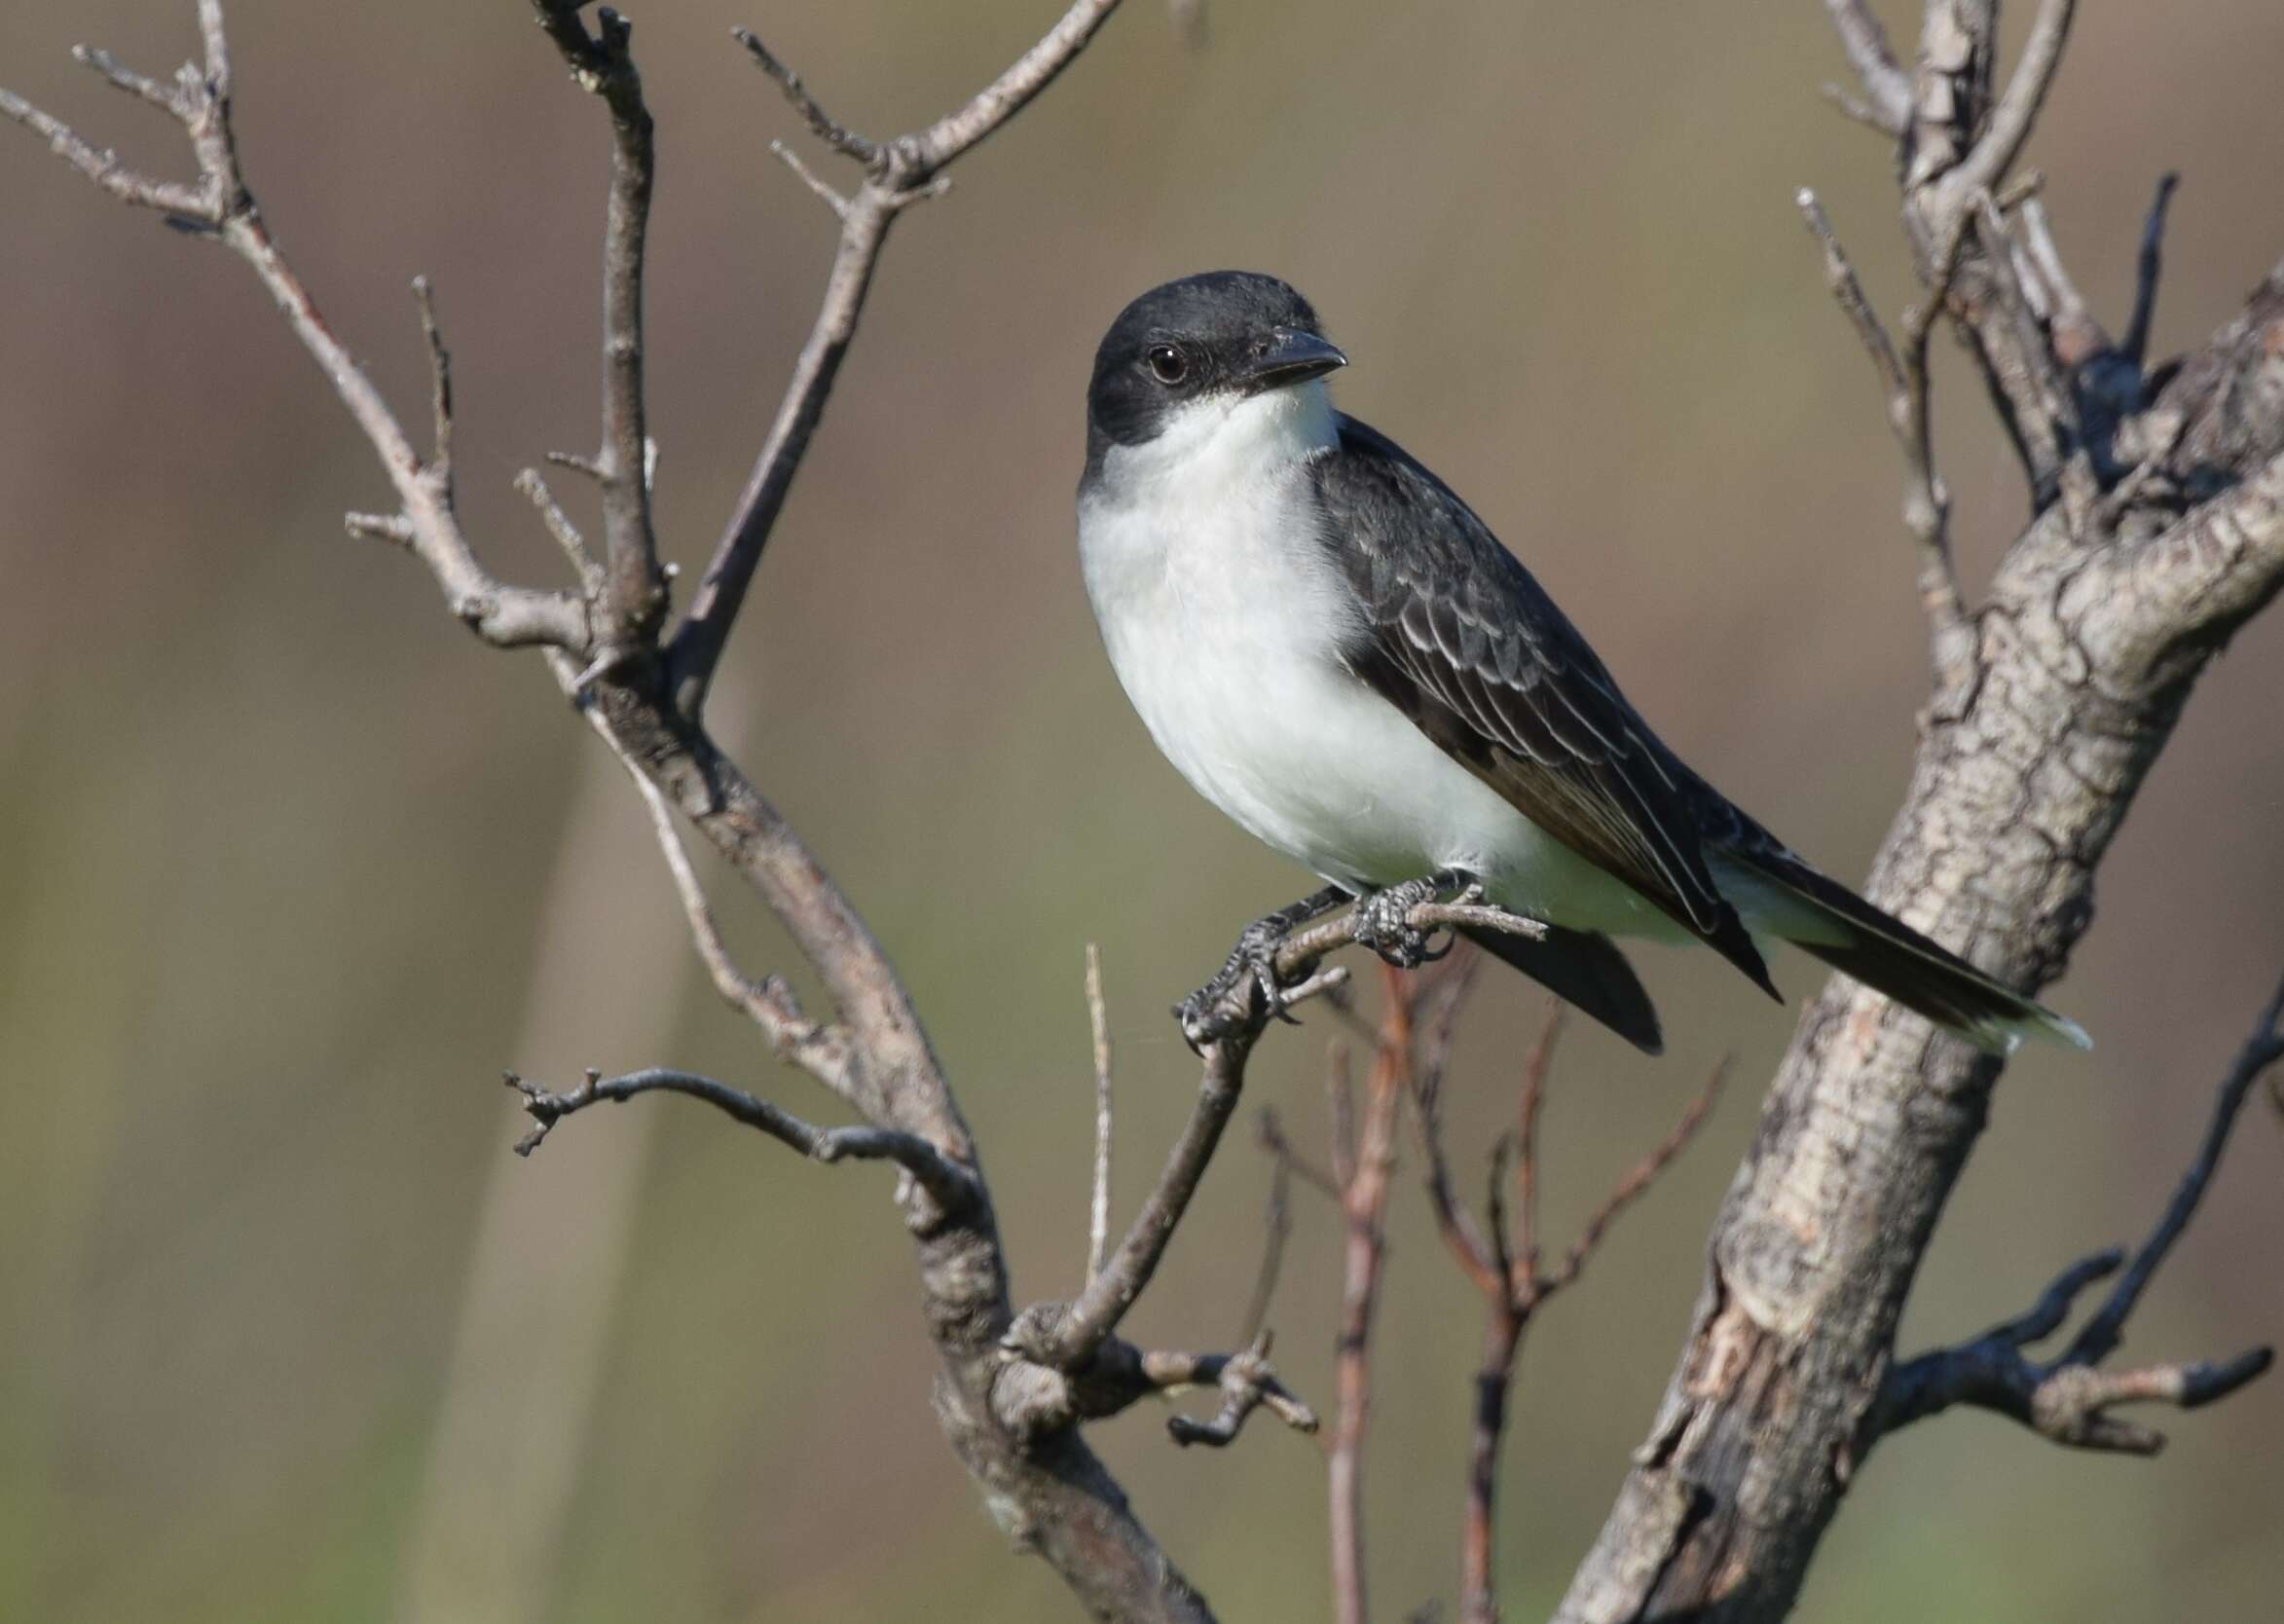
[(1363, 1202)]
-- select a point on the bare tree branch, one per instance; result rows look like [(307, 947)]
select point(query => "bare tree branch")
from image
[(1904, 377), (1502, 1262), (2262, 1048), (1277, 1225), (2099, 619), (1067, 1339), (822, 124), (1271, 1140), (1637, 1182), (2068, 1399), (2092, 639), (1986, 163), (953, 1186), (823, 1050), (1035, 1401), (899, 172), (222, 205), (602, 64), (1521, 1248), (1364, 1206), (1247, 1385), (439, 386), (561, 529), (1887, 88)]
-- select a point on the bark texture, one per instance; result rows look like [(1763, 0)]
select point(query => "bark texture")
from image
[(2087, 651)]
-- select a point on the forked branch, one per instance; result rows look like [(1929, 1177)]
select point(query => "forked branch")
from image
[(1501, 1257), (223, 209), (2069, 1398), (898, 173), (602, 64), (1903, 381), (1067, 1337)]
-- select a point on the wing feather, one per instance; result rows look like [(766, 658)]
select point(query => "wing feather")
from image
[(1458, 636)]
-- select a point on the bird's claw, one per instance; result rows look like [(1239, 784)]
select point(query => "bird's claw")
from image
[(1383, 923), (1245, 985)]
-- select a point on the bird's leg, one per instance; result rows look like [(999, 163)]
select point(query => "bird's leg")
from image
[(1383, 918), (1226, 1001)]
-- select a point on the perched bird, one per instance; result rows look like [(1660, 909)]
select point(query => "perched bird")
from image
[(1335, 650)]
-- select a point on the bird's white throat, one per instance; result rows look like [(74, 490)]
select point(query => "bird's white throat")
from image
[(1219, 439)]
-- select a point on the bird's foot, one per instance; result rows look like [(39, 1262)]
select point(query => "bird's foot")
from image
[(1383, 920), (1248, 989)]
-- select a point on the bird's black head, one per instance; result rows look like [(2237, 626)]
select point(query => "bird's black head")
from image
[(1218, 333)]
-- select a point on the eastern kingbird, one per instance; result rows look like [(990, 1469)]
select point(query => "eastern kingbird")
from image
[(1335, 650)]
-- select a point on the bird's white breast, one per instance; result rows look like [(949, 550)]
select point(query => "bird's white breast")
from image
[(1224, 614)]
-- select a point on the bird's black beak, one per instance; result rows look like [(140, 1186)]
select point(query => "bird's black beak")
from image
[(1289, 356)]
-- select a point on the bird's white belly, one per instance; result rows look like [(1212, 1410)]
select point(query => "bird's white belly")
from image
[(1225, 635)]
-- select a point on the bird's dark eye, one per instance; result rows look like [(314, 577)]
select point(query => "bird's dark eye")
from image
[(1168, 365)]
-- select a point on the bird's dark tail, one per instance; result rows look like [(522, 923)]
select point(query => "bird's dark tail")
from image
[(1586, 970), (1781, 895)]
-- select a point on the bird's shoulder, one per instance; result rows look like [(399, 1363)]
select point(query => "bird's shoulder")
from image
[(1424, 564), (1458, 634)]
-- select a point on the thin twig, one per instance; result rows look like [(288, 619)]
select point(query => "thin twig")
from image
[(603, 64), (1848, 292), (1068, 1338), (899, 172), (1098, 1212), (439, 382), (1501, 1260), (1638, 1179), (2262, 1048), (1986, 163), (2053, 414), (566, 534), (1531, 1099), (186, 203), (1073, 1337), (1364, 1204), (1276, 1227), (822, 124), (224, 211), (828, 194), (1247, 1383), (1453, 1223), (393, 527), (952, 1185), (823, 1051), (1032, 1400), (1903, 381), (1270, 1134), (2060, 305), (166, 97), (2068, 1399), (1887, 88), (1339, 1106)]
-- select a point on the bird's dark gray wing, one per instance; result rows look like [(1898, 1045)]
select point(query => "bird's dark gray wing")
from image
[(1461, 638)]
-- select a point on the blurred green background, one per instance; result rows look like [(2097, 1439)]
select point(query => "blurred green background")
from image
[(290, 868)]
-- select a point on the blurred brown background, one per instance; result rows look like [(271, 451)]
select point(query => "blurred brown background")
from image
[(290, 868)]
